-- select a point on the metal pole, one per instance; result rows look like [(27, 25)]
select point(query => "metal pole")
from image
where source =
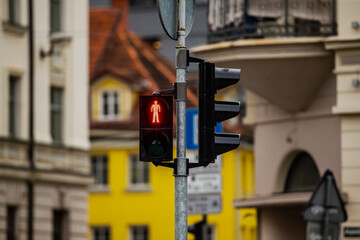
[(181, 168), (327, 204)]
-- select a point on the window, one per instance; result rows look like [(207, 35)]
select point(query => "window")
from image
[(142, 2), (55, 16), (99, 168), (13, 11), (110, 105), (139, 233), (303, 174), (139, 172), (60, 225), (100, 233), (56, 114), (11, 223), (14, 106)]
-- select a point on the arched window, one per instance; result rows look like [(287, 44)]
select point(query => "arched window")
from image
[(303, 174)]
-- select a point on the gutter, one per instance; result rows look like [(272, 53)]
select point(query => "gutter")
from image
[(30, 184)]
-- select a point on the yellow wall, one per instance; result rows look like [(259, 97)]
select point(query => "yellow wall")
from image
[(121, 208)]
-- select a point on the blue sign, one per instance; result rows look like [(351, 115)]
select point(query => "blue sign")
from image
[(192, 129)]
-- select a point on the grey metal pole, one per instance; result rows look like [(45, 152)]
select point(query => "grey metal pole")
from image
[(181, 172)]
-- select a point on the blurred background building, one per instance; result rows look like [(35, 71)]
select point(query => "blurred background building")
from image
[(131, 199), (300, 63), (44, 160)]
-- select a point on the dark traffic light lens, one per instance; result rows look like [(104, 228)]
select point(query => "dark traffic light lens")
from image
[(156, 144)]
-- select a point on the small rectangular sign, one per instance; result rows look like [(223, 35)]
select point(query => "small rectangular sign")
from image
[(352, 232), (204, 204), (205, 183), (215, 167)]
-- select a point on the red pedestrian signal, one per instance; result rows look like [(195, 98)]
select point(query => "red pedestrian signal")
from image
[(155, 109), (156, 128)]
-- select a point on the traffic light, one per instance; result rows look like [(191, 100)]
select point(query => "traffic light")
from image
[(156, 128), (211, 112), (201, 230)]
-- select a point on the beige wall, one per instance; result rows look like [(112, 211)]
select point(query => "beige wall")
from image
[(282, 223), (278, 134), (347, 12)]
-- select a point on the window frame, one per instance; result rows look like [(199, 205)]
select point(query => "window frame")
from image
[(14, 110), (57, 109), (145, 228), (94, 228), (111, 103), (99, 169), (53, 27), (13, 11), (142, 182)]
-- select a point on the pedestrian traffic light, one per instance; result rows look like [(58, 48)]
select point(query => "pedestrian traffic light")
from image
[(211, 112), (156, 128)]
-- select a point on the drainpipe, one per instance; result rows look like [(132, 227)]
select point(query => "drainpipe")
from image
[(30, 184)]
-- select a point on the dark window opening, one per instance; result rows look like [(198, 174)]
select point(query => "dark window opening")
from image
[(139, 233), (303, 175), (105, 104), (142, 2), (59, 225), (11, 223), (13, 11), (101, 233), (56, 114), (13, 106), (99, 168), (116, 104), (55, 16)]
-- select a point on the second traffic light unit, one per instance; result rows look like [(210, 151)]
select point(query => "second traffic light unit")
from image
[(211, 112)]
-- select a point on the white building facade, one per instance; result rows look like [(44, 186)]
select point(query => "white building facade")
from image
[(44, 163)]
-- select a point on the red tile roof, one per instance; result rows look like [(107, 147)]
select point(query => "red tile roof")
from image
[(117, 51)]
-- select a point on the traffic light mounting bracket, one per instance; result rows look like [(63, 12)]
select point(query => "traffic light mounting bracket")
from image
[(173, 165)]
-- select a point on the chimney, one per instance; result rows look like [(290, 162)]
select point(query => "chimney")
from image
[(120, 3), (124, 6)]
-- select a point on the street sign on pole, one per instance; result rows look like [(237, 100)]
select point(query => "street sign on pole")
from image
[(204, 204), (192, 129), (168, 12), (325, 210), (215, 167), (205, 183)]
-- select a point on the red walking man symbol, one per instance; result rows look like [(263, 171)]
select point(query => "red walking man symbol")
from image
[(155, 109)]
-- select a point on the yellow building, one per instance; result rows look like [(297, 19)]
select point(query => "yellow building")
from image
[(132, 200), (140, 197)]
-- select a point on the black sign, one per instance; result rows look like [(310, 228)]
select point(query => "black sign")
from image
[(352, 232), (326, 200)]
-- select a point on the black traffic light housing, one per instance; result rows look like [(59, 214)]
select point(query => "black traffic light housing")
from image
[(156, 128), (211, 112), (201, 230)]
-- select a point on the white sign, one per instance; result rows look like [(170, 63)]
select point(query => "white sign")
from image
[(204, 204), (205, 183), (211, 168)]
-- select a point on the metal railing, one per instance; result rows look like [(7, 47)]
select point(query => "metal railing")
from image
[(235, 19)]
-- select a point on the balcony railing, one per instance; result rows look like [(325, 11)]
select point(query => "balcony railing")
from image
[(234, 19)]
